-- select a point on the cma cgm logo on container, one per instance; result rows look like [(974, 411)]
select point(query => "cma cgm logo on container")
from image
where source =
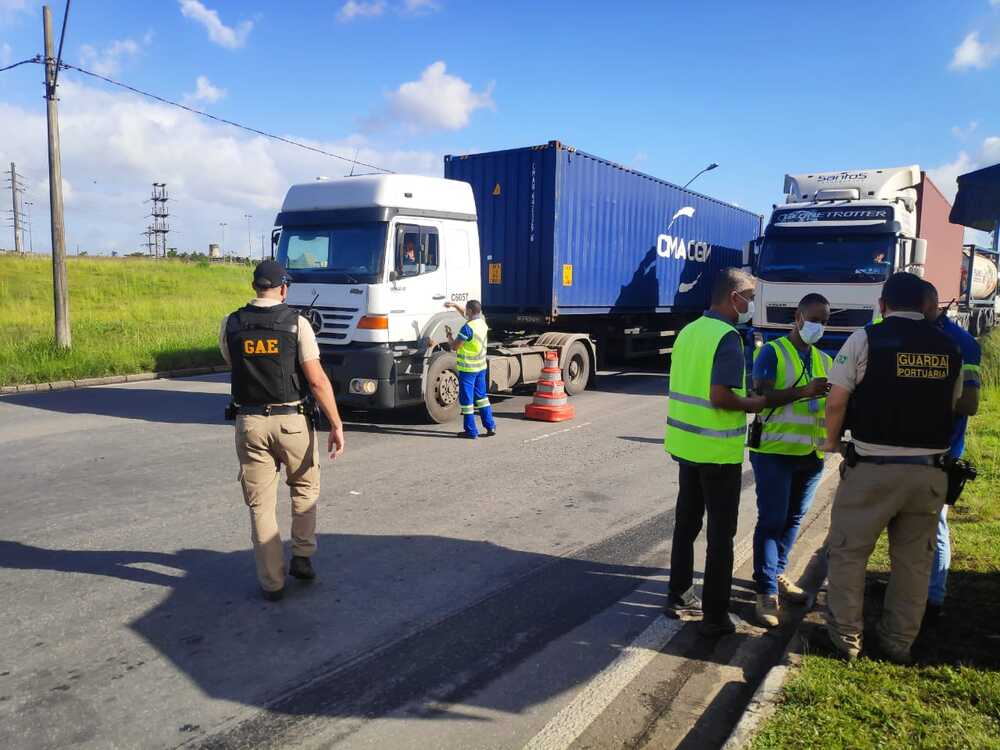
[(669, 246)]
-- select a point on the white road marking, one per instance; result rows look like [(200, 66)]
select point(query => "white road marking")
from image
[(566, 726), (589, 703), (557, 432)]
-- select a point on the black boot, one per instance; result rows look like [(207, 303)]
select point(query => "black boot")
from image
[(301, 568)]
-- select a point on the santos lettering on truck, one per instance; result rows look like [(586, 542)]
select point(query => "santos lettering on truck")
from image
[(567, 252)]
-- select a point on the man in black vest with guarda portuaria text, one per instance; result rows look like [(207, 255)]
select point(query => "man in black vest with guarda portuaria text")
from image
[(895, 385)]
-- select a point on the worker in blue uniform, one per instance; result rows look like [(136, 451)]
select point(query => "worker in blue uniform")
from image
[(470, 348), (967, 406)]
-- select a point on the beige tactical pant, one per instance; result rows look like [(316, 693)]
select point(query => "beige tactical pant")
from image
[(907, 500), (263, 445)]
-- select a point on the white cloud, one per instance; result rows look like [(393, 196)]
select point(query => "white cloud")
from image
[(108, 61), (425, 6), (205, 91), (984, 155), (6, 54), (10, 8), (639, 158), (974, 53), (354, 9), (963, 133), (225, 36), (437, 101), (114, 145)]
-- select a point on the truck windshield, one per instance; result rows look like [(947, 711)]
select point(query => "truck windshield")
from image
[(845, 258), (342, 254)]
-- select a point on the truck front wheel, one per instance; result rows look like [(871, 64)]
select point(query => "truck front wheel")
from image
[(576, 372), (441, 389)]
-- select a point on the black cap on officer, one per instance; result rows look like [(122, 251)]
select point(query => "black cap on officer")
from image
[(270, 274)]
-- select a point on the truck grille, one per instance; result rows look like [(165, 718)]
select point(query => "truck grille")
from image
[(331, 324), (782, 315)]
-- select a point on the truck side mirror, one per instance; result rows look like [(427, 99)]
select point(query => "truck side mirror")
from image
[(275, 236)]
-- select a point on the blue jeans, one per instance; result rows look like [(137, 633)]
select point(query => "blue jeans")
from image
[(472, 397), (942, 561), (786, 486)]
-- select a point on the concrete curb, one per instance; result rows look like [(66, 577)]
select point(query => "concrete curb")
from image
[(61, 385), (765, 699)]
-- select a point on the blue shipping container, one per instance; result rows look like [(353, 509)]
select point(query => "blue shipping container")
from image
[(562, 232)]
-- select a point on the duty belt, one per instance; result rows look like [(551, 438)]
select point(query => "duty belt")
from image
[(912, 460), (270, 410)]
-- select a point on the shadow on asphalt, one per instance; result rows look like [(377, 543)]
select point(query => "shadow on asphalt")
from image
[(640, 383), (213, 626), (645, 440), (146, 404)]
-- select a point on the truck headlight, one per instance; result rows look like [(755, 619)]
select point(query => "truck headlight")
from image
[(363, 386)]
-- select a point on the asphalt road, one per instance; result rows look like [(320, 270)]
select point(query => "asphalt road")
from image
[(449, 612)]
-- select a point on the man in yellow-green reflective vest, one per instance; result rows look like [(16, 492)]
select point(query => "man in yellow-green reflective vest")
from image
[(706, 430), (472, 364), (791, 373)]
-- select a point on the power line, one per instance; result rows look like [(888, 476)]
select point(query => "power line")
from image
[(35, 59), (222, 119)]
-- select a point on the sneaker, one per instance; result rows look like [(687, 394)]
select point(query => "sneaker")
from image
[(490, 433), (895, 654), (767, 610), (847, 647), (301, 568), (466, 435), (685, 604), (273, 596), (717, 628), (790, 591)]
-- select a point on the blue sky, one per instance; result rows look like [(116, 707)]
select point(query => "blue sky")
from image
[(761, 88)]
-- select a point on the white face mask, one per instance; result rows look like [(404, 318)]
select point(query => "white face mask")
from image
[(811, 332), (745, 317)]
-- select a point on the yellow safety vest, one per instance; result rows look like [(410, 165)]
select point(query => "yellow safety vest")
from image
[(794, 430), (472, 353), (696, 430)]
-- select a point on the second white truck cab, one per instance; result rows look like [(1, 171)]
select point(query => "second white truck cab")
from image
[(840, 234)]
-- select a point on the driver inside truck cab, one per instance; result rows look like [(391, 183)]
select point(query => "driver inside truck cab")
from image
[(409, 261)]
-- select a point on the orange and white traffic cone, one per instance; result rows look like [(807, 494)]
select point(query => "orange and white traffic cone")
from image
[(550, 404)]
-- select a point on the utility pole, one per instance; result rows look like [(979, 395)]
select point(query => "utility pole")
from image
[(14, 192), (262, 246), (223, 248), (249, 237), (60, 289)]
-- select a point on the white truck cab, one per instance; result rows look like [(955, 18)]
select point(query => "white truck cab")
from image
[(373, 259), (840, 234)]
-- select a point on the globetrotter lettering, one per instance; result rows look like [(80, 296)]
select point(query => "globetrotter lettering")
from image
[(922, 366), (260, 346), (669, 246)]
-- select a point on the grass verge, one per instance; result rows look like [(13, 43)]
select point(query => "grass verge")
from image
[(127, 315), (951, 697)]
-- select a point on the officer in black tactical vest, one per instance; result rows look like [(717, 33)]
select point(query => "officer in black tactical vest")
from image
[(896, 383), (275, 368)]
